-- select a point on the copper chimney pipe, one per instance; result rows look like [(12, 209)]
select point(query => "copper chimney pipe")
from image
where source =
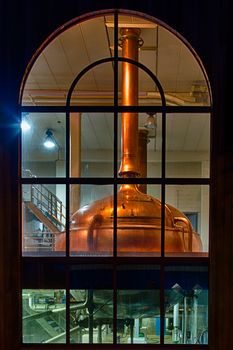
[(129, 135)]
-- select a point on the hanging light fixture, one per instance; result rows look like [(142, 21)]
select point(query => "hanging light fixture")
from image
[(49, 141), (151, 126)]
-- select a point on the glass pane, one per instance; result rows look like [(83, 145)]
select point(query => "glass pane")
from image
[(95, 87), (136, 87), (142, 35), (39, 272), (44, 315), (179, 72), (43, 219), (187, 220), (168, 58), (91, 230), (91, 276), (188, 145), (140, 146), (91, 144), (63, 59), (138, 220), (153, 125), (138, 304), (91, 304), (91, 316), (43, 145), (186, 304)]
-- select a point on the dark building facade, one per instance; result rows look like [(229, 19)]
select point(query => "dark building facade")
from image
[(206, 25)]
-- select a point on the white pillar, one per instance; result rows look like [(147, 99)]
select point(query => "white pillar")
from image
[(61, 189), (194, 323), (75, 159), (175, 335), (136, 327)]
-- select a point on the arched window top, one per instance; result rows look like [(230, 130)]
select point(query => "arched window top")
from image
[(85, 40)]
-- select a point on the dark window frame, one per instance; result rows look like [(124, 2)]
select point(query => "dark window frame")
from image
[(114, 260)]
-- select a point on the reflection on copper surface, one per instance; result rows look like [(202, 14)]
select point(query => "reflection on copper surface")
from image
[(142, 157), (138, 214)]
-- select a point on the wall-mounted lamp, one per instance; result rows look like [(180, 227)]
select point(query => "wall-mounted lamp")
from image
[(25, 124), (151, 126), (151, 122), (49, 141)]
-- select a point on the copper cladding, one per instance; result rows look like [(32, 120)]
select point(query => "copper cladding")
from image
[(142, 157)]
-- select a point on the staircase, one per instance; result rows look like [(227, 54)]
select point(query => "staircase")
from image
[(47, 207), (48, 325), (49, 210)]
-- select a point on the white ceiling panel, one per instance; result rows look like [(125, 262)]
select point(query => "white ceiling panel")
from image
[(169, 48), (188, 132), (56, 60), (177, 132), (75, 50), (188, 69), (95, 38), (192, 136), (204, 139), (103, 75)]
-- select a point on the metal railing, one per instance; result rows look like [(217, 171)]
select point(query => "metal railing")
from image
[(49, 204), (39, 241)]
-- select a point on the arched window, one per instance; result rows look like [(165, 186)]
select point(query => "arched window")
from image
[(115, 186)]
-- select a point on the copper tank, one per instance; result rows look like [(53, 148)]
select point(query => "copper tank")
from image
[(138, 214)]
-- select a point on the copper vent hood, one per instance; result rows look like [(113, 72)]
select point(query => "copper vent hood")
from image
[(138, 214)]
